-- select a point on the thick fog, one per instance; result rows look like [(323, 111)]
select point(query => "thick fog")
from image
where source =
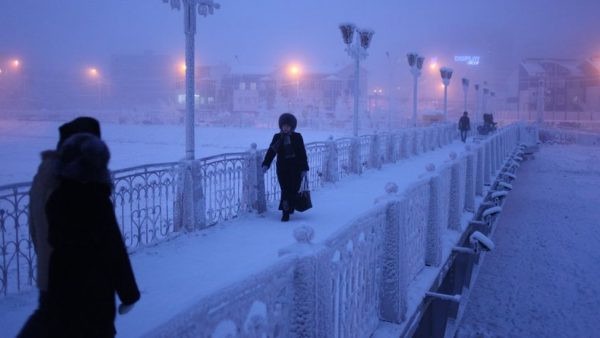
[(62, 40)]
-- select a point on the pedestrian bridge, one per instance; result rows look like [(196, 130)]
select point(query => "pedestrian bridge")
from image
[(212, 259)]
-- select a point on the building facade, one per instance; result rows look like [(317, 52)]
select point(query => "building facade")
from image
[(566, 87)]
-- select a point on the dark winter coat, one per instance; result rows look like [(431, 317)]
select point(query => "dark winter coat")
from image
[(44, 182), (464, 123), (89, 262), (289, 168)]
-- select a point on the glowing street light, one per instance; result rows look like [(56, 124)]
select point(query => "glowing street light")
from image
[(182, 67), (433, 65), (191, 8), (357, 50), (446, 74), (16, 63), (93, 72), (294, 71), (415, 61)]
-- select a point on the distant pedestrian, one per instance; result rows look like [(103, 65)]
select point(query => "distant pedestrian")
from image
[(89, 261), (44, 183), (464, 125), (292, 162)]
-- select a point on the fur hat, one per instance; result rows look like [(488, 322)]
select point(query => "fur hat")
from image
[(289, 119), (81, 124), (83, 157)]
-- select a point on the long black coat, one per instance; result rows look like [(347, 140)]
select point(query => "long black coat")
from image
[(288, 170), (89, 263), (464, 123)]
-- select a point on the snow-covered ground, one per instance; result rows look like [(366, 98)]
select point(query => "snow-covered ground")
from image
[(130, 145), (175, 275), (543, 279)]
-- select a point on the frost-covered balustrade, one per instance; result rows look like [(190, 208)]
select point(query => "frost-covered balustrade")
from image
[(150, 200), (365, 271)]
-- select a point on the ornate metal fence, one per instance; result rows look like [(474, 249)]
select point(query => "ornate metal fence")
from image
[(317, 154), (343, 148), (144, 199), (222, 184), (17, 255)]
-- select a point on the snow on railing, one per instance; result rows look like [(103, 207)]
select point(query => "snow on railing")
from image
[(143, 199), (343, 154), (561, 136), (366, 270), (221, 180), (148, 199)]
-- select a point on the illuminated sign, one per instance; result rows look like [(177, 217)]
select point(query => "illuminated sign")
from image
[(470, 60)]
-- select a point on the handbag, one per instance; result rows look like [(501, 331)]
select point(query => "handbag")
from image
[(303, 201)]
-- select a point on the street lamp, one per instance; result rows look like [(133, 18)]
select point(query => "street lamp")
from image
[(94, 74), (16, 63), (357, 49), (446, 74), (465, 84), (486, 92), (477, 103), (190, 8), (294, 71), (415, 61)]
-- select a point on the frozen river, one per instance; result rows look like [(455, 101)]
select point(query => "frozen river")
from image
[(130, 145)]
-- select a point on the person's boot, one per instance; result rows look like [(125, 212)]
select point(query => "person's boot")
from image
[(285, 217)]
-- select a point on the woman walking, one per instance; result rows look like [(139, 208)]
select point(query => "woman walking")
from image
[(89, 262), (292, 163)]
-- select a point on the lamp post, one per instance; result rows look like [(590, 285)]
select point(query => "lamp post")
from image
[(94, 75), (446, 74), (486, 92), (357, 50), (415, 61), (492, 102), (465, 85), (477, 103), (190, 8)]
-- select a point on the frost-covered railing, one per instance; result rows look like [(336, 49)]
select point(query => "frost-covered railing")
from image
[(561, 136), (17, 256), (222, 177), (365, 271), (153, 201), (143, 198)]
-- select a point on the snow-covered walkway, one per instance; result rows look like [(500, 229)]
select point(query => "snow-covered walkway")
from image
[(543, 280), (175, 275)]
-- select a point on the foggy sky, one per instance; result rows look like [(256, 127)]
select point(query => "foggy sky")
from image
[(71, 33)]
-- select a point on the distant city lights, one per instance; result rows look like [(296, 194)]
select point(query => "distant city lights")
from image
[(378, 91)]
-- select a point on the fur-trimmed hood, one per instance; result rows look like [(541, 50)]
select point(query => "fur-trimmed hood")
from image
[(84, 158), (289, 119)]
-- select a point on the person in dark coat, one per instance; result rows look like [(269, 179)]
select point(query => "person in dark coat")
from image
[(89, 261), (292, 162), (44, 183), (464, 125)]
